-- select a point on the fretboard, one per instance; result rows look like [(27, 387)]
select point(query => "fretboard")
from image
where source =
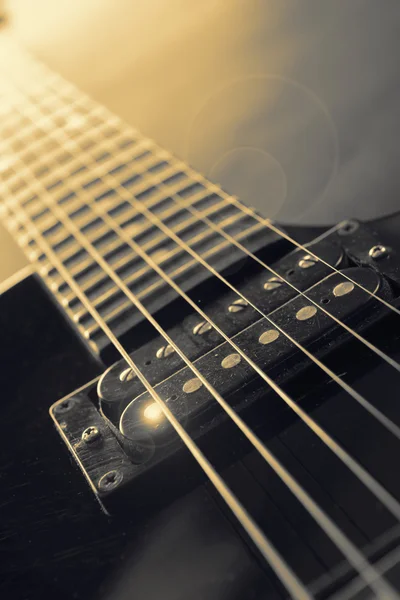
[(61, 152)]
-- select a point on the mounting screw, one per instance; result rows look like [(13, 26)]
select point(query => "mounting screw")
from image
[(202, 328), (307, 261), (90, 435), (273, 284), (378, 252), (110, 481), (165, 351), (238, 305)]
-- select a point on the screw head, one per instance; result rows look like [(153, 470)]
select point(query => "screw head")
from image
[(90, 435), (238, 305), (202, 328), (272, 284), (110, 481), (165, 351), (378, 252), (307, 261)]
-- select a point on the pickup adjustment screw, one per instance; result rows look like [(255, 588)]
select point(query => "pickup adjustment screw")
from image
[(110, 481), (165, 351), (378, 252), (307, 261), (201, 328), (127, 375), (90, 435), (273, 284), (238, 305)]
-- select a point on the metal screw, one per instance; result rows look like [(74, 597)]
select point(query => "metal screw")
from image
[(273, 284), (201, 328), (237, 306), (378, 252), (127, 375), (307, 261), (165, 351), (110, 481), (91, 435)]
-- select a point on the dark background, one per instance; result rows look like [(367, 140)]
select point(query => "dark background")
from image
[(291, 104)]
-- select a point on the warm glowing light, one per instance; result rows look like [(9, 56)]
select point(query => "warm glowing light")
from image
[(153, 412)]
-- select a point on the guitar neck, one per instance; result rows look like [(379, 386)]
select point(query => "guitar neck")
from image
[(70, 168)]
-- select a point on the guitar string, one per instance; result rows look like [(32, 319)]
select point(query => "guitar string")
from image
[(317, 257), (353, 555), (44, 69), (196, 176), (283, 571), (383, 419), (333, 446), (350, 551), (229, 238), (392, 427)]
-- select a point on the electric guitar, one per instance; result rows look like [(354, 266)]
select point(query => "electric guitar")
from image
[(197, 402)]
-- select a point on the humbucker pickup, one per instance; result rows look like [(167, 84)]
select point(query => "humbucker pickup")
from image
[(130, 445)]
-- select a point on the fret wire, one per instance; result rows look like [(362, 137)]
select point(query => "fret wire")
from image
[(349, 550)]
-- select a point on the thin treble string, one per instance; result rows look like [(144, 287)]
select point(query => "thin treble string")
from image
[(268, 551), (321, 433), (351, 552), (348, 549)]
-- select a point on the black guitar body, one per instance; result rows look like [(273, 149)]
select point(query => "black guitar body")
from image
[(59, 543)]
